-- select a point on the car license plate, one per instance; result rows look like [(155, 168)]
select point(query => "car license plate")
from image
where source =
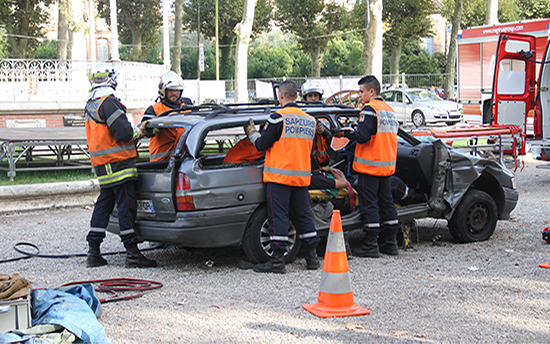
[(145, 206)]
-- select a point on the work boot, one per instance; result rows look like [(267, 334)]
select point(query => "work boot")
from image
[(389, 246), (94, 258), (370, 246), (134, 258), (275, 264), (311, 259)]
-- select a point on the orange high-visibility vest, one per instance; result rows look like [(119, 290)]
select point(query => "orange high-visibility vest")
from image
[(377, 157), (243, 151), (104, 148), (163, 145), (320, 150), (288, 161)]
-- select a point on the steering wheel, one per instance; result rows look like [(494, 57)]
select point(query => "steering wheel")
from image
[(346, 97)]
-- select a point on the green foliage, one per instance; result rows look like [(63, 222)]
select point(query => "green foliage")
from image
[(46, 176), (533, 9), (343, 57), (414, 60), (189, 57), (46, 50), (311, 21), (230, 13), (474, 11), (267, 62), (408, 19), (23, 21), (139, 23)]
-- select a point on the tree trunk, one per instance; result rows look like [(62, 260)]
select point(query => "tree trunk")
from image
[(394, 61), (70, 29), (176, 53), (491, 16), (372, 53), (62, 28), (316, 59), (226, 64), (136, 56), (243, 31), (450, 66)]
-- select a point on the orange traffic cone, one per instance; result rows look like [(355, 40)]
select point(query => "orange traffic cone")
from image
[(545, 265), (335, 295)]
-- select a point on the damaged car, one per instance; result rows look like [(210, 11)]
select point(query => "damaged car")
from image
[(196, 200)]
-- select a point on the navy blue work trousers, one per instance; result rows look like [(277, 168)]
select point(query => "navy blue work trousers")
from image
[(280, 199), (376, 203), (124, 196)]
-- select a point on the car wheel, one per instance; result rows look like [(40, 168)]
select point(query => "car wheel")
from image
[(256, 242), (418, 118), (475, 218)]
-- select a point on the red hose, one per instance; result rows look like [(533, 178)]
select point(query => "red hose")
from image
[(112, 285)]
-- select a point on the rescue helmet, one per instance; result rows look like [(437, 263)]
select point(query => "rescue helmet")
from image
[(102, 74), (312, 86), (172, 81)]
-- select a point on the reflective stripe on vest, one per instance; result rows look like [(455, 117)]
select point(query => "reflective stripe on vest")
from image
[(163, 145), (288, 161), (111, 178), (377, 157), (104, 148)]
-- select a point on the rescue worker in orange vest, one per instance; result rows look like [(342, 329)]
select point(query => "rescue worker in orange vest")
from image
[(111, 143), (312, 91), (375, 160), (242, 151), (287, 139), (163, 142)]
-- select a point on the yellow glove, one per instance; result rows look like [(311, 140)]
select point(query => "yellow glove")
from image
[(145, 132), (250, 127)]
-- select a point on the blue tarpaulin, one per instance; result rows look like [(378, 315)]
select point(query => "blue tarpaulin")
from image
[(74, 308)]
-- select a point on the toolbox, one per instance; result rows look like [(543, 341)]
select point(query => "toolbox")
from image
[(15, 314)]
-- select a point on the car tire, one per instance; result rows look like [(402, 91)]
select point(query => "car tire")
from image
[(475, 218), (418, 118), (256, 243)]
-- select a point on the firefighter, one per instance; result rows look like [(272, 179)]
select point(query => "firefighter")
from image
[(111, 142), (312, 91), (287, 139), (375, 161), (163, 142)]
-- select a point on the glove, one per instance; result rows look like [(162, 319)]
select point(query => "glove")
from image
[(319, 128), (146, 132), (337, 132), (250, 127)]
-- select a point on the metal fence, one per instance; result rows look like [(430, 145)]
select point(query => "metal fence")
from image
[(66, 80)]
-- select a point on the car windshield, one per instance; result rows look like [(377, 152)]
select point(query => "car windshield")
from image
[(423, 95)]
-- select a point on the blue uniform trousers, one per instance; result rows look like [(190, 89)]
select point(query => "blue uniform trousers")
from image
[(376, 203), (281, 198), (125, 197)]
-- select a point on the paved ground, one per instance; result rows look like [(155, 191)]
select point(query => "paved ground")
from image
[(439, 291)]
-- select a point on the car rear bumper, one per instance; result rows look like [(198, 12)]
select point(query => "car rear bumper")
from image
[(511, 197), (203, 228)]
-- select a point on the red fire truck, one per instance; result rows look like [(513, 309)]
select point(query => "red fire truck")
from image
[(477, 48)]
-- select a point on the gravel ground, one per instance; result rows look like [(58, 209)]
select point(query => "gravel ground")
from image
[(439, 291)]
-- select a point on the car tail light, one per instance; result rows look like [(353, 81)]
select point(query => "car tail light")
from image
[(184, 199)]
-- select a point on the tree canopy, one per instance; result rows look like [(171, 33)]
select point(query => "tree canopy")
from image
[(23, 21), (313, 22), (139, 23), (230, 14)]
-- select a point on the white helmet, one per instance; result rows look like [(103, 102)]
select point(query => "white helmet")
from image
[(312, 86), (102, 74), (172, 81)]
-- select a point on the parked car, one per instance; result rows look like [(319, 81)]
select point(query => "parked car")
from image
[(422, 107), (196, 200)]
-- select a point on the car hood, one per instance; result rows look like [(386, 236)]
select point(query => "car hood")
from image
[(444, 104)]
